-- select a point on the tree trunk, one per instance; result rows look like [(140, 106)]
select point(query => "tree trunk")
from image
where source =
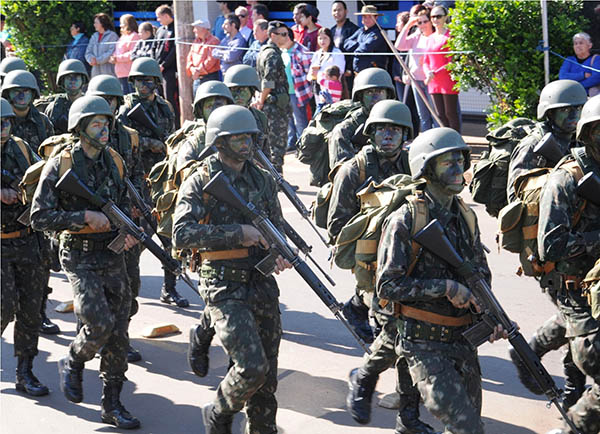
[(184, 13)]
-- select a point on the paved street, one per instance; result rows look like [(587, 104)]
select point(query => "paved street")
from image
[(316, 354)]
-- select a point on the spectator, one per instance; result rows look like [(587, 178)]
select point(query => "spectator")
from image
[(573, 67), (143, 47), (330, 87), (367, 39), (122, 57), (165, 53), (250, 5), (437, 78), (4, 38), (242, 13), (297, 68), (298, 28), (416, 43), (201, 65), (232, 55), (326, 56), (77, 47), (259, 12), (308, 19), (102, 46), (226, 8), (343, 29), (261, 37)]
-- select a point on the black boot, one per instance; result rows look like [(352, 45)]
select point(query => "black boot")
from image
[(113, 411), (357, 315), (26, 381), (71, 378), (168, 293), (133, 355), (47, 327), (524, 375), (574, 383), (199, 346), (215, 423), (407, 420), (360, 394)]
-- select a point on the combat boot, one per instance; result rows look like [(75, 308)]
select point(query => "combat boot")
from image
[(360, 395), (574, 384), (407, 420), (47, 327), (200, 339), (26, 381), (71, 378), (133, 355), (113, 412), (524, 374), (168, 293), (215, 423), (357, 315)]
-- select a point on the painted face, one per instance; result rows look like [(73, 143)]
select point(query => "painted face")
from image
[(242, 95), (592, 144), (238, 147), (449, 169), (565, 118), (20, 98), (97, 131), (212, 103), (372, 96), (6, 126), (388, 139), (72, 83), (144, 86)]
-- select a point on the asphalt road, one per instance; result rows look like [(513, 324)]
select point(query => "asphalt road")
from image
[(316, 354)]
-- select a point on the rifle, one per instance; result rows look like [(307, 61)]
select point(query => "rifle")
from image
[(549, 148), (12, 181), (588, 188), (140, 204), (220, 187), (71, 184), (139, 114), (433, 238)]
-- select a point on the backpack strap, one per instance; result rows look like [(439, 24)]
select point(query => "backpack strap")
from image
[(420, 218), (134, 138), (66, 162), (118, 160), (469, 216), (23, 148), (361, 160)]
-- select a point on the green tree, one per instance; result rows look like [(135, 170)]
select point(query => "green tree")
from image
[(504, 63), (39, 30)]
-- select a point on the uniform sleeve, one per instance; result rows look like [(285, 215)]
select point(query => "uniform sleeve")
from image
[(522, 160), (343, 203), (340, 142), (270, 76), (189, 149)]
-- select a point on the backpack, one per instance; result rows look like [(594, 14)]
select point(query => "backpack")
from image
[(490, 174), (54, 144), (591, 284), (175, 139), (44, 101), (518, 220), (313, 143)]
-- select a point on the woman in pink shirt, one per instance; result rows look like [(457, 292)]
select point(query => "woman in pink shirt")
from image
[(439, 83), (122, 56)]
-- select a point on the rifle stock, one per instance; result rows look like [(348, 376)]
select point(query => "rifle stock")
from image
[(588, 188), (549, 148), (138, 113)]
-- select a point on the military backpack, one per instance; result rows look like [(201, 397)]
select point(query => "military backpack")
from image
[(591, 284)]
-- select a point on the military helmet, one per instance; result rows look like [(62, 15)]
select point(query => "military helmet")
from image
[(208, 89), (241, 75), (86, 106), (434, 142), (71, 66), (6, 110), (145, 67), (19, 78), (589, 114), (229, 120), (370, 78), (389, 111), (560, 93), (9, 64), (105, 85)]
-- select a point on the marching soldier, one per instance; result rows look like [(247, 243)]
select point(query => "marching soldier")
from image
[(72, 77)]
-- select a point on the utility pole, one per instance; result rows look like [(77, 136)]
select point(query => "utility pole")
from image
[(184, 14)]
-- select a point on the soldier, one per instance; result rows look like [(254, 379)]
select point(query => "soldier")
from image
[(558, 110), (125, 141), (22, 274), (370, 86), (243, 304), (9, 64), (97, 274), (72, 77), (433, 299), (274, 99), (569, 236), (145, 76), (20, 89)]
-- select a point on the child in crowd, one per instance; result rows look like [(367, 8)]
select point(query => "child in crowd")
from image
[(331, 88)]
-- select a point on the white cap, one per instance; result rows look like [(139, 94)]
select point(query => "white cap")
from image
[(201, 23)]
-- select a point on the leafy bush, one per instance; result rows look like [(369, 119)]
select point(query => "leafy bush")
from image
[(40, 30), (505, 63)]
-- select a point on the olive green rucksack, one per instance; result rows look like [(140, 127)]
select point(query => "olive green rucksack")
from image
[(591, 284), (490, 174)]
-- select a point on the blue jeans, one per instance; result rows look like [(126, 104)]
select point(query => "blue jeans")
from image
[(125, 85), (425, 119), (298, 122)]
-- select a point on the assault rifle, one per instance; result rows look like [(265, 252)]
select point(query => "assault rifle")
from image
[(140, 204), (588, 188), (71, 184), (138, 113), (220, 187), (549, 148), (12, 181), (433, 238)]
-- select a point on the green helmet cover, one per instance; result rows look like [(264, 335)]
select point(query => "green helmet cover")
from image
[(589, 114), (242, 75), (389, 111), (87, 106), (370, 78), (560, 93), (19, 78), (208, 89), (9, 64), (145, 67), (229, 120), (71, 66), (434, 142), (6, 110)]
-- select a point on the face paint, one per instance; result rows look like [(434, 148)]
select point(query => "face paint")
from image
[(20, 98), (212, 103), (388, 139), (6, 126), (242, 95), (72, 83), (113, 102), (144, 86), (592, 144), (97, 131), (449, 169), (372, 96), (565, 118), (238, 147)]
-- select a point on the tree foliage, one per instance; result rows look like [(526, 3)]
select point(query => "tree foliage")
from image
[(505, 63), (39, 30)]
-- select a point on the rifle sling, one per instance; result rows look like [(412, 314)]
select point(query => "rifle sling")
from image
[(434, 318), (16, 234)]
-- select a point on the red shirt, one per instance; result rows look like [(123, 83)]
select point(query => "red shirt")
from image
[(200, 56)]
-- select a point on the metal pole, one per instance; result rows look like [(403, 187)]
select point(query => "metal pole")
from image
[(544, 5), (184, 13)]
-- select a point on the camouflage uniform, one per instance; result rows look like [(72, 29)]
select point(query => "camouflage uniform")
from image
[(575, 249), (271, 71), (244, 306), (97, 275), (58, 112), (340, 142), (445, 370), (191, 147), (33, 128)]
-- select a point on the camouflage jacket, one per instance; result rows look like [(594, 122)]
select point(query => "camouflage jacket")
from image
[(271, 70), (263, 125), (575, 249), (340, 141), (122, 140), (344, 204), (192, 146), (33, 128), (223, 229), (58, 113), (425, 288)]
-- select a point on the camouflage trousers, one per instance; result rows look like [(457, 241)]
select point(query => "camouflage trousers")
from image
[(102, 303), (278, 128), (586, 355), (448, 377), (132, 265), (250, 334), (22, 292)]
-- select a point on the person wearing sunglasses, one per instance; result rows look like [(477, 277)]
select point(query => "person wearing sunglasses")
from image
[(242, 13)]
